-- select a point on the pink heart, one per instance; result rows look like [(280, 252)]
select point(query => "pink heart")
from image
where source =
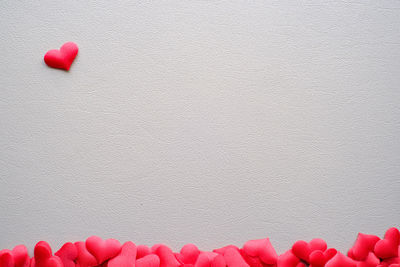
[(148, 261), (288, 259), (167, 257), (18, 257), (302, 249), (84, 258), (63, 58), (389, 246), (126, 257), (261, 248), (68, 254), (233, 258), (363, 245), (101, 249), (188, 254), (370, 261), (43, 256), (340, 260), (318, 258)]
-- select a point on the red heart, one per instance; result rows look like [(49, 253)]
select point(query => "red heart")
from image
[(142, 251), (18, 257), (340, 260), (43, 256), (261, 248), (189, 254), (389, 246), (63, 58), (150, 260), (167, 257), (363, 245), (233, 258), (205, 259), (84, 258), (126, 257), (68, 254), (370, 261), (101, 249), (318, 258), (6, 258), (252, 261), (288, 259), (302, 249)]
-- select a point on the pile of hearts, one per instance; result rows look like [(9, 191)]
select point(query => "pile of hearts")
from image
[(367, 251)]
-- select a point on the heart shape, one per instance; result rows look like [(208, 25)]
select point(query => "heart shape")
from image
[(389, 246), (302, 249), (101, 249), (370, 261), (167, 257), (288, 259), (43, 256), (340, 260), (63, 58), (188, 254), (319, 259), (18, 257), (126, 258), (363, 245), (208, 259), (233, 258), (150, 260), (68, 254), (142, 251), (84, 258), (261, 248)]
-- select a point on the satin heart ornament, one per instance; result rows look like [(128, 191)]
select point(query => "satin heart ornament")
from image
[(188, 254), (389, 246), (302, 249), (84, 258), (370, 261), (63, 58), (167, 257), (150, 260), (43, 256), (126, 258), (261, 248), (340, 260), (101, 249), (18, 257), (68, 254), (319, 259), (363, 246), (288, 259)]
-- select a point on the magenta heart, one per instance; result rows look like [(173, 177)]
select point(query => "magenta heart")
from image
[(63, 58), (101, 249), (261, 248)]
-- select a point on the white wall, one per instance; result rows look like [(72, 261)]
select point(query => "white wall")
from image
[(211, 122)]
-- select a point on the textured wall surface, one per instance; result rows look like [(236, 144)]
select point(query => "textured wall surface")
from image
[(211, 122)]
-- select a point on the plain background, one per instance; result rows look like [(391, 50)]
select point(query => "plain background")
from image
[(212, 122)]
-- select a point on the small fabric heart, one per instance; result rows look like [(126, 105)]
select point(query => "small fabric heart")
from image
[(252, 261), (389, 246), (318, 258), (188, 254), (261, 248), (43, 256), (233, 258), (142, 251), (167, 257), (63, 58), (370, 261), (150, 260), (340, 260), (126, 257), (205, 259), (363, 246), (288, 259), (101, 249), (302, 249), (84, 258), (18, 257), (68, 254)]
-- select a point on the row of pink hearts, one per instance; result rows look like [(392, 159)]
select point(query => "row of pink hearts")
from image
[(367, 251)]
